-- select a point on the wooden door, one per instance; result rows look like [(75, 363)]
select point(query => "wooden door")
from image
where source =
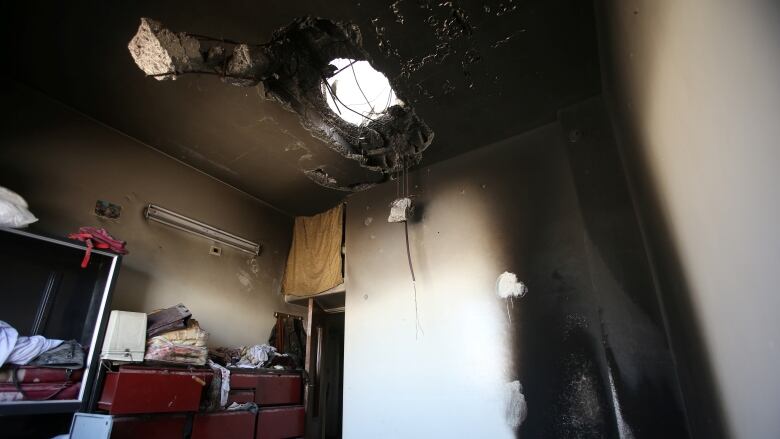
[(314, 345)]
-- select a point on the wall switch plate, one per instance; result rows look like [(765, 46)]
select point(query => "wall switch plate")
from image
[(215, 251)]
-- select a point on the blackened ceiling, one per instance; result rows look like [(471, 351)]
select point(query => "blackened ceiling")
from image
[(509, 68)]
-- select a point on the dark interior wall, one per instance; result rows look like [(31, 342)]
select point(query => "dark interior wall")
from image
[(332, 376), (587, 342), (62, 162), (693, 89)]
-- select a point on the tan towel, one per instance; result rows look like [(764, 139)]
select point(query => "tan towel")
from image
[(314, 262)]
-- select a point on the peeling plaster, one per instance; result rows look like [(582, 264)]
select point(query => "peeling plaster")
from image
[(516, 406), (254, 267), (244, 278), (508, 286)]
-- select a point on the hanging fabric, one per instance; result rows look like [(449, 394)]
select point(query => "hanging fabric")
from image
[(314, 262), (289, 337)]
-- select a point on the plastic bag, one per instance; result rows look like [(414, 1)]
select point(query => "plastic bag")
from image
[(13, 210), (400, 210)]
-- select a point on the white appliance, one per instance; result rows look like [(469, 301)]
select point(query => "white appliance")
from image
[(125, 337), (89, 426)]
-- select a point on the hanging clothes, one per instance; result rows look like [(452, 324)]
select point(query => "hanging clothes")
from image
[(20, 350), (289, 337), (314, 261)]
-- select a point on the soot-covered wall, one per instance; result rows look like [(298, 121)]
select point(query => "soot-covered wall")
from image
[(62, 162), (586, 342), (694, 89)]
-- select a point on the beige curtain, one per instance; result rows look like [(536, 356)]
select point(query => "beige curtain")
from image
[(314, 262)]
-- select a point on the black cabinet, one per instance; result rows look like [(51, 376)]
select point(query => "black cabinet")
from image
[(44, 291)]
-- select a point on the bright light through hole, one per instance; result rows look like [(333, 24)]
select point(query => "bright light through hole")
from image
[(361, 92)]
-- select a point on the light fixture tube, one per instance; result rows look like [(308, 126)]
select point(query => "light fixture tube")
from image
[(189, 225)]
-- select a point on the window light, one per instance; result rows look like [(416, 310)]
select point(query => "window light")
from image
[(361, 93)]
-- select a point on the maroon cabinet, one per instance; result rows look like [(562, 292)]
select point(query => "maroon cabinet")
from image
[(279, 395), (145, 390), (241, 396), (266, 388), (149, 427), (164, 391), (218, 425), (280, 422)]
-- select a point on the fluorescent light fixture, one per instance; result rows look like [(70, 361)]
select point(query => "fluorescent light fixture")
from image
[(189, 225)]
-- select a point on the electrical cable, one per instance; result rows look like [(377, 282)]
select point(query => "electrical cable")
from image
[(354, 75), (418, 327), (336, 98), (406, 192), (343, 68), (397, 186)]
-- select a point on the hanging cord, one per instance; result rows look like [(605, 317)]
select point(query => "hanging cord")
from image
[(418, 327), (397, 186), (406, 177), (403, 180), (354, 75)]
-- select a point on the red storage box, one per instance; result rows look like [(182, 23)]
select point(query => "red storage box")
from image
[(39, 383), (218, 425), (280, 423), (35, 374), (153, 390), (241, 396), (270, 388), (149, 427), (278, 389), (242, 380), (39, 391)]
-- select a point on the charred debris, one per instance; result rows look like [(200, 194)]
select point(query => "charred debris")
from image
[(291, 69)]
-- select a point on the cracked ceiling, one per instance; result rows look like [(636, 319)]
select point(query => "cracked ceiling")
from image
[(474, 72)]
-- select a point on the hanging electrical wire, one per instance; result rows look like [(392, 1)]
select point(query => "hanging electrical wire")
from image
[(418, 327), (406, 201)]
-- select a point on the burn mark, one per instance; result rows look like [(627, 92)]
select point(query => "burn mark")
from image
[(581, 404), (505, 40), (395, 7), (290, 69), (447, 21), (452, 28), (322, 178)]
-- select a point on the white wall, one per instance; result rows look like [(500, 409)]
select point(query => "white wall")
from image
[(448, 380), (696, 89), (63, 162), (513, 207)]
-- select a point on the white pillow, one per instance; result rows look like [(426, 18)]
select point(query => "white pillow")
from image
[(13, 210)]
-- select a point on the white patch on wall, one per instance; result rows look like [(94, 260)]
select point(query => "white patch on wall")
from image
[(509, 286), (516, 407), (400, 210), (245, 280)]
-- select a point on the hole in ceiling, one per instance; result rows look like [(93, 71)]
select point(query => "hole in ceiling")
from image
[(356, 92), (375, 128)]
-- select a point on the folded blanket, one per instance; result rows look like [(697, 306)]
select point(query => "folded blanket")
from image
[(183, 346), (167, 319)]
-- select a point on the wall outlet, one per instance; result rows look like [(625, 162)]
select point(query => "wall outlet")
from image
[(215, 251)]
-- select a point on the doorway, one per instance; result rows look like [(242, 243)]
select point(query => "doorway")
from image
[(325, 366)]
